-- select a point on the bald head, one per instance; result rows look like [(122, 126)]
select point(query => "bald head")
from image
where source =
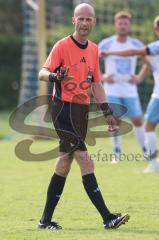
[(83, 20), (84, 7)]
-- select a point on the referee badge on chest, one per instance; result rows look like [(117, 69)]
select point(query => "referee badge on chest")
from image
[(89, 75), (75, 67)]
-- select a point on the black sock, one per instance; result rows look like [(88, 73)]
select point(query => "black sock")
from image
[(53, 195), (91, 187)]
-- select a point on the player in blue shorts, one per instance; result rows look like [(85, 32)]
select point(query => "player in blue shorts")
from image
[(120, 81), (152, 113)]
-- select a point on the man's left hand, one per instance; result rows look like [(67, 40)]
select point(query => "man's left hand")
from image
[(112, 123), (134, 79)]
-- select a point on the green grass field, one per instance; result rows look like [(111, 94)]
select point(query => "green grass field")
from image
[(125, 188)]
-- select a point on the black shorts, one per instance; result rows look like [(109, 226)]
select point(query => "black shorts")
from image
[(70, 121)]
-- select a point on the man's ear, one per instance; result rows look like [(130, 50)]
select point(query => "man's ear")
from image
[(73, 20), (156, 29)]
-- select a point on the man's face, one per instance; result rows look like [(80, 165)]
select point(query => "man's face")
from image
[(122, 26), (84, 21)]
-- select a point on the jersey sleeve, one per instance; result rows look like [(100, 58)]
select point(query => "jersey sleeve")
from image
[(101, 45), (97, 73), (153, 48), (54, 59), (105, 44), (137, 43)]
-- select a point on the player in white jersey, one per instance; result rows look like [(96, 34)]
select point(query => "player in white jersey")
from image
[(120, 80), (152, 113)]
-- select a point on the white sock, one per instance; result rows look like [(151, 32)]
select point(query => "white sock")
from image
[(116, 142), (151, 145), (140, 135)]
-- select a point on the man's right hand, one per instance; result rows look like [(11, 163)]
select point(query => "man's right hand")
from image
[(103, 54), (108, 78), (63, 74)]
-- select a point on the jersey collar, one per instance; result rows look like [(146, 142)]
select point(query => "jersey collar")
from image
[(82, 46)]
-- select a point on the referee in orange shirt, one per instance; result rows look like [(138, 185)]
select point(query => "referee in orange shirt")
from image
[(74, 68)]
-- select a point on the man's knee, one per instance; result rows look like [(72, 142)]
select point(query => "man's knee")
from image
[(149, 127), (87, 167), (85, 163), (138, 122), (63, 166)]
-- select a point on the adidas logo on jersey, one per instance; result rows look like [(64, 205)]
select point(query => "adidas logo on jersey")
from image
[(83, 60)]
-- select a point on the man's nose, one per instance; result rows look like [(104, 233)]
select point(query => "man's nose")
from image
[(84, 22)]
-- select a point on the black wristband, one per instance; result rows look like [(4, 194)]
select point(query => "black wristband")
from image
[(53, 77), (148, 51), (106, 109)]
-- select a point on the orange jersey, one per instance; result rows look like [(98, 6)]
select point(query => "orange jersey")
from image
[(83, 64)]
